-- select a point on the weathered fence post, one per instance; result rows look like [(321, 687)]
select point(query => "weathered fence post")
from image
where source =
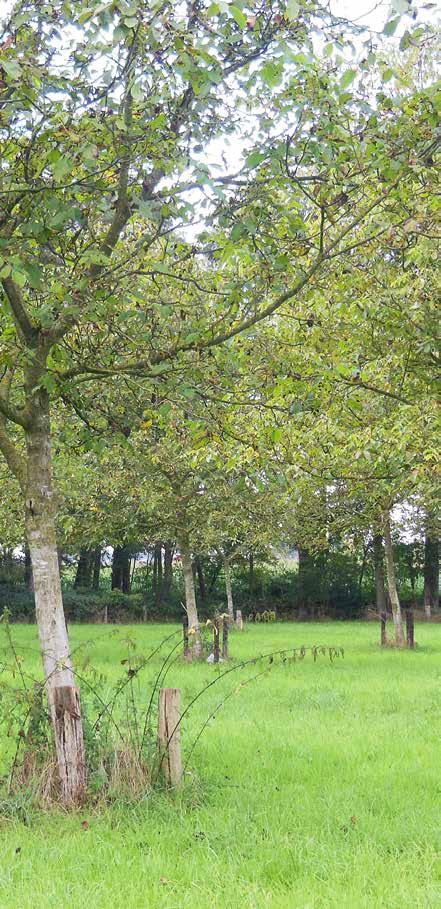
[(410, 630), (216, 629), (169, 735), (383, 619), (239, 619), (225, 623), (185, 637)]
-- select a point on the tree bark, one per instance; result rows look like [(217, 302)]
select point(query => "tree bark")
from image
[(431, 574), (83, 577), (96, 568), (121, 569), (62, 692), (190, 600), (126, 579), (116, 582), (392, 583), (380, 593), (229, 590)]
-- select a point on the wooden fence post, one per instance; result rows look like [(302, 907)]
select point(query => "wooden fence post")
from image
[(185, 637), (383, 618), (216, 629), (410, 631), (225, 623), (239, 619), (169, 735)]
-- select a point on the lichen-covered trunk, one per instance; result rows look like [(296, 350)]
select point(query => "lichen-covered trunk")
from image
[(392, 583), (229, 590), (62, 692), (194, 632), (431, 574)]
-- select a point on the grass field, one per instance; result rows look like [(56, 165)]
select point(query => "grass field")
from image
[(318, 785)]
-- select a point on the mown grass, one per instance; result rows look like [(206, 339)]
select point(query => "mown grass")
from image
[(316, 786)]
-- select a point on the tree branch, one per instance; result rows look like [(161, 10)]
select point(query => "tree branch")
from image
[(27, 329), (12, 455), (7, 410)]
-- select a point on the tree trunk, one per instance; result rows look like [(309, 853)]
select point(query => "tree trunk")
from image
[(126, 580), (96, 568), (431, 574), (229, 590), (83, 577), (121, 569), (380, 593), (362, 571), (62, 693), (190, 600), (392, 583), (116, 569)]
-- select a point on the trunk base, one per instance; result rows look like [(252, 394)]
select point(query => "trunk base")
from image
[(69, 744)]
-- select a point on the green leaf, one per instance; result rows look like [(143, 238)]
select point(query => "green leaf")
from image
[(391, 26), (34, 275), (131, 22), (238, 231), (19, 277), (162, 268), (48, 382), (238, 15), (255, 158), (137, 92), (388, 74), (272, 74), (86, 15), (61, 167), (12, 68), (187, 391), (292, 9), (348, 77), (65, 213), (149, 210)]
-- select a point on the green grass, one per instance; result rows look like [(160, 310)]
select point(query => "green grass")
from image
[(317, 786)]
